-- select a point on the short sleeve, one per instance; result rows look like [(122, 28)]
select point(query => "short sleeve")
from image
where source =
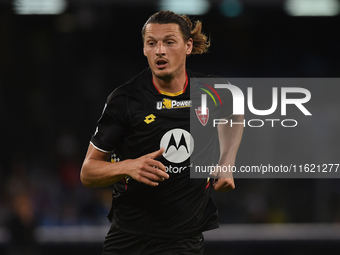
[(111, 126)]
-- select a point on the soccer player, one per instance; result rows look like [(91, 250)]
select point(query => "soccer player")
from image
[(157, 208)]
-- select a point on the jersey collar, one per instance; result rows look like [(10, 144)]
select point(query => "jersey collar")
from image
[(173, 94)]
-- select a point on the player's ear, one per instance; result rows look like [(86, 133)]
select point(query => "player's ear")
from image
[(144, 52), (189, 45)]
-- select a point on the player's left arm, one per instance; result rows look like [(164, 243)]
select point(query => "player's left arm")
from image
[(230, 139)]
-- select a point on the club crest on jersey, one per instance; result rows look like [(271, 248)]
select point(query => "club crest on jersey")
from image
[(172, 104), (203, 118)]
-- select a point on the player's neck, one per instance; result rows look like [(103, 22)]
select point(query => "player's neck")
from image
[(174, 85)]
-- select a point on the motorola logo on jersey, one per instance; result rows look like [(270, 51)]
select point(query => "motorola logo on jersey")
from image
[(178, 145)]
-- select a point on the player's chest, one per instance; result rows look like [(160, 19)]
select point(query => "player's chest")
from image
[(153, 113)]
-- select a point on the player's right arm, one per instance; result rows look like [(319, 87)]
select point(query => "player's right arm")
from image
[(98, 172)]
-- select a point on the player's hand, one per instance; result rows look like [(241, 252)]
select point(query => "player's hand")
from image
[(148, 170), (224, 180), (224, 184)]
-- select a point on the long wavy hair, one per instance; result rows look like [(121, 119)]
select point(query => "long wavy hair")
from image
[(201, 43)]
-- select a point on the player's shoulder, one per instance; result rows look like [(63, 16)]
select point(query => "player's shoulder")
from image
[(193, 74), (134, 86), (208, 81), (197, 78)]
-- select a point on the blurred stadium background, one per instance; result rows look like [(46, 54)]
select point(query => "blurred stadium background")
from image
[(60, 59)]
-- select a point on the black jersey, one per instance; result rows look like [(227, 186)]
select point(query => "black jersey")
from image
[(138, 120)]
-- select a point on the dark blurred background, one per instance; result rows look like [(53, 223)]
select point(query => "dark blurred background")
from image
[(56, 70)]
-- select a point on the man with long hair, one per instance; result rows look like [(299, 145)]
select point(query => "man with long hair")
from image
[(155, 209)]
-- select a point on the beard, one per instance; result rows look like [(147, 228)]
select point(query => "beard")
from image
[(167, 77)]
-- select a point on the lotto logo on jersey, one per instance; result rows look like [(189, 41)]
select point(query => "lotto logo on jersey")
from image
[(150, 118), (178, 145), (172, 104)]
